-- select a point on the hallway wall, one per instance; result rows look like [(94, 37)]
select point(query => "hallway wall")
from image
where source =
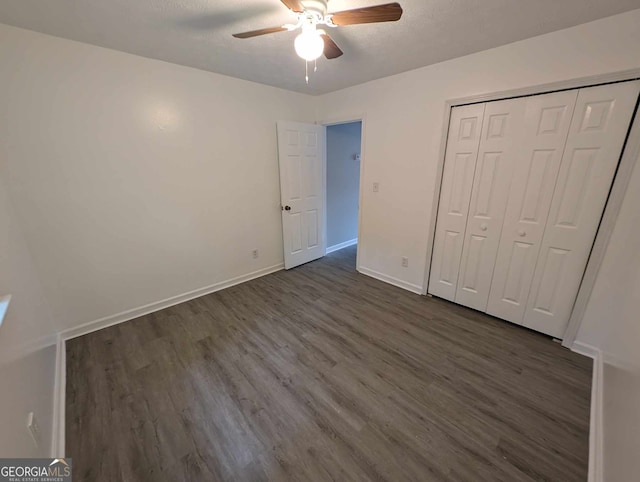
[(343, 182)]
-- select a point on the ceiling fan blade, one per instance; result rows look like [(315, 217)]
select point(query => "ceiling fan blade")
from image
[(262, 31), (331, 50), (294, 5), (389, 12)]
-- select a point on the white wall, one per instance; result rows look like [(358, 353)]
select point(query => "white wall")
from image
[(404, 117), (27, 357), (137, 180), (612, 324), (343, 182)]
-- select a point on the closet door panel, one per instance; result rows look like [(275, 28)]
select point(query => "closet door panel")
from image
[(537, 162), (465, 128), (598, 131), (501, 132)]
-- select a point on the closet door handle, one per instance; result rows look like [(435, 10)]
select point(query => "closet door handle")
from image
[(483, 227), (522, 233)]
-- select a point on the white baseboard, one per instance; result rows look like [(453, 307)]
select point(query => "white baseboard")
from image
[(584, 349), (596, 432), (596, 449), (391, 280), (160, 305), (59, 395), (338, 246)]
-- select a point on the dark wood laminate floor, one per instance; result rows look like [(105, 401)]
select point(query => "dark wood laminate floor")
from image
[(321, 373)]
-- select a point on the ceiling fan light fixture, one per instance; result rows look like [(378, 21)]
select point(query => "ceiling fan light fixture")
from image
[(309, 45), (312, 43)]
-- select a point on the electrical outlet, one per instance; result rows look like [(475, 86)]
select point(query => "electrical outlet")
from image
[(32, 427), (255, 254), (376, 186), (405, 262)]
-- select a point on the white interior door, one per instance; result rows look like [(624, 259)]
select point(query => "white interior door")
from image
[(501, 136), (465, 128), (596, 138), (300, 154), (537, 162)]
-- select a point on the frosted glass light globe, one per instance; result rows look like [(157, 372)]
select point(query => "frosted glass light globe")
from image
[(309, 45)]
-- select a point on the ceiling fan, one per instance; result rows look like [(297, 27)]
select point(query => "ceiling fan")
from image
[(312, 42)]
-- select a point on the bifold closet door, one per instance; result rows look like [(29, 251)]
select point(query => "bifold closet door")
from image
[(465, 128), (537, 163), (500, 140), (524, 188), (596, 138)]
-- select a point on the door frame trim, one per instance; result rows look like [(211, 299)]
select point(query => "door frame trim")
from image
[(616, 195), (347, 119)]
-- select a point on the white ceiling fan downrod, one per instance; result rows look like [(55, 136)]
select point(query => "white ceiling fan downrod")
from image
[(315, 12)]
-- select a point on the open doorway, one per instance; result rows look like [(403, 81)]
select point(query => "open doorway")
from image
[(344, 147)]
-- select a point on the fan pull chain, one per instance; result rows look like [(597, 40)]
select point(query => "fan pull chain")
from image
[(306, 71)]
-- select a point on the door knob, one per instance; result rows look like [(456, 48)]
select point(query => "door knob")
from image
[(483, 227), (522, 232), (287, 208)]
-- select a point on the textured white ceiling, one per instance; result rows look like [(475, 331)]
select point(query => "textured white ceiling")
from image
[(197, 33)]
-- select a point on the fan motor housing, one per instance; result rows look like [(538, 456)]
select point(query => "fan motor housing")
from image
[(318, 7)]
